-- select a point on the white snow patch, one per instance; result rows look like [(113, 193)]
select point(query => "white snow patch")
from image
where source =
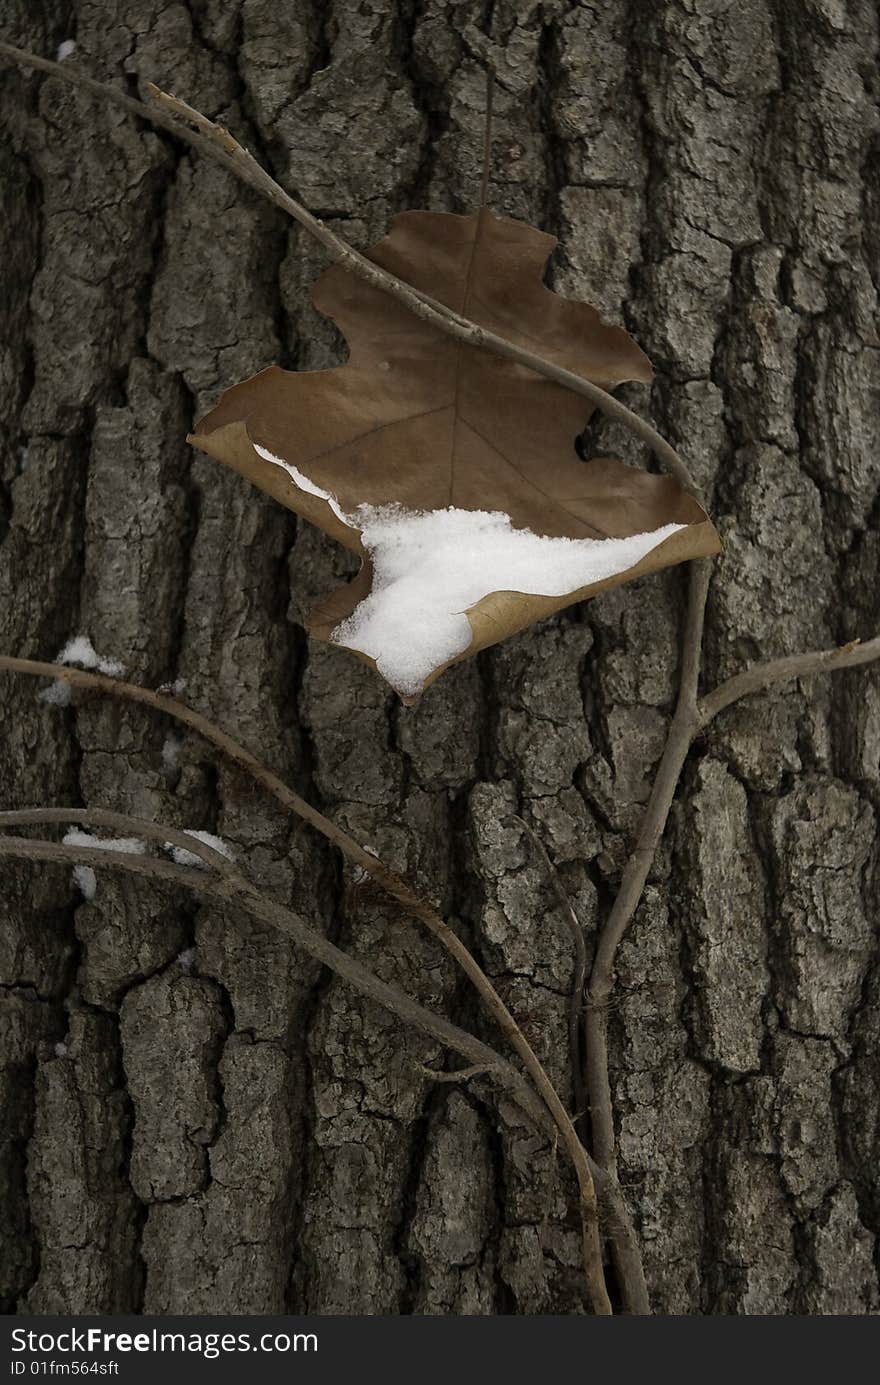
[(85, 881), (304, 483), (170, 754), (131, 846), (61, 1050), (65, 49), (186, 959), (58, 694), (431, 567), (358, 874), (189, 858), (83, 876), (80, 650)]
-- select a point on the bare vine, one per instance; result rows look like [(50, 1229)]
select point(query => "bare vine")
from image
[(220, 879), (691, 715), (537, 1096), (635, 1294)]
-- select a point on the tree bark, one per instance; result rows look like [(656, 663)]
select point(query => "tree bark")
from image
[(198, 1119)]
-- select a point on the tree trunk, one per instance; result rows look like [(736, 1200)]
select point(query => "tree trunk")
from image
[(197, 1118)]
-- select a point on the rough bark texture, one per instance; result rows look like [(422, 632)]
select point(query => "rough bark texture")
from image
[(195, 1117)]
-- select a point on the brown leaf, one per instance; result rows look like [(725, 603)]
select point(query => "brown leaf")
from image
[(418, 420)]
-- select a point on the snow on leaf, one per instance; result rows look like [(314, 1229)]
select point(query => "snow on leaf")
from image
[(430, 569), (451, 471)]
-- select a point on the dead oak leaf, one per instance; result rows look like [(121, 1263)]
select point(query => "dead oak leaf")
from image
[(451, 471)]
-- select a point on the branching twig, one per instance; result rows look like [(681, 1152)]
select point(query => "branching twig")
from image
[(170, 113), (761, 676), (233, 888), (691, 715), (154, 867), (224, 881), (635, 874), (681, 732), (405, 895), (120, 822)]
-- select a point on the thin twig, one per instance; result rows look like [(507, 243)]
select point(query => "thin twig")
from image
[(154, 867), (681, 732), (691, 715), (209, 138), (764, 675), (182, 110), (119, 822), (487, 139), (235, 889), (399, 890)]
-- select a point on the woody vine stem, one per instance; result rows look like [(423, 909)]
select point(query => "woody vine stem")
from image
[(596, 1172)]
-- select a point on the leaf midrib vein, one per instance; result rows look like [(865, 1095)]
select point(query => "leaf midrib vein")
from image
[(458, 355)]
